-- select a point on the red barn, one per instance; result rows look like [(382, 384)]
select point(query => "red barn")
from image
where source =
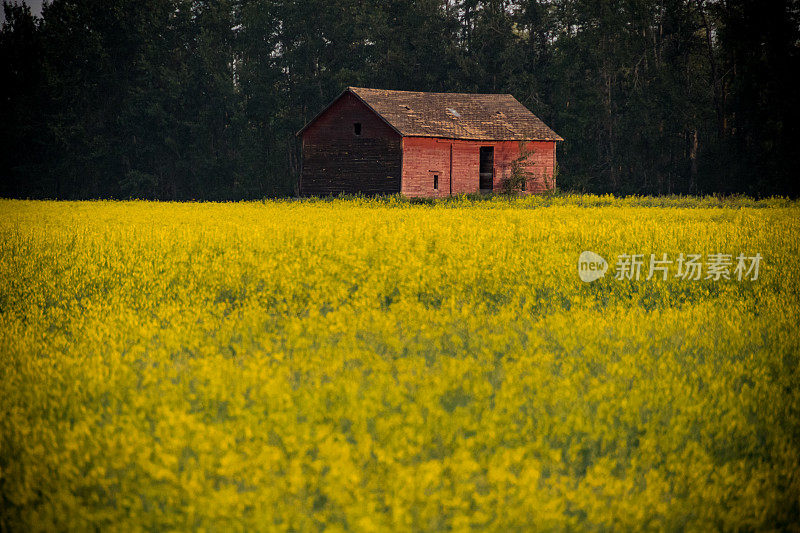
[(375, 141)]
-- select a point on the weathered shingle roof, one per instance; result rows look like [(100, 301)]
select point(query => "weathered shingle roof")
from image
[(455, 115)]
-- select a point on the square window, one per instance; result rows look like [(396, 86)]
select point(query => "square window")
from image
[(357, 128)]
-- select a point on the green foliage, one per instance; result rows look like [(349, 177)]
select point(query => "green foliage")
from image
[(519, 174), (204, 98)]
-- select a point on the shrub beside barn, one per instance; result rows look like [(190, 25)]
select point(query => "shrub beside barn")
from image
[(375, 141)]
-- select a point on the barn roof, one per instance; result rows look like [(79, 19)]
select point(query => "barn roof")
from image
[(454, 115)]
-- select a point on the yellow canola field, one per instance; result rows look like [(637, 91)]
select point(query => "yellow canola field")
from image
[(383, 365)]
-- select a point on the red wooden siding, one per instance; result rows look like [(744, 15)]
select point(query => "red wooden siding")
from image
[(424, 156), (336, 160)]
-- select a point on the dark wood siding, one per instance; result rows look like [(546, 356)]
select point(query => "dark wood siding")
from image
[(336, 160)]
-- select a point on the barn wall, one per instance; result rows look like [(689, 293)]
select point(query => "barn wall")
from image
[(336, 160), (539, 161), (423, 156)]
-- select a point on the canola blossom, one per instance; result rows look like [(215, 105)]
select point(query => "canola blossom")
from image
[(387, 365)]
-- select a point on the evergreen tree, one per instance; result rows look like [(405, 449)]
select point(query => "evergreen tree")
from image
[(181, 99), (21, 81)]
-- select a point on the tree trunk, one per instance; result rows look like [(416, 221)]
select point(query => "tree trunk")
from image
[(693, 162), (715, 81)]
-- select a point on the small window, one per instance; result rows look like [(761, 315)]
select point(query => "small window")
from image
[(357, 128), (436, 182)]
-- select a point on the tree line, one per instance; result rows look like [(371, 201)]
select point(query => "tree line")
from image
[(191, 99)]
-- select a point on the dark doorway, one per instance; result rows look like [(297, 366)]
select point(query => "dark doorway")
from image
[(486, 168)]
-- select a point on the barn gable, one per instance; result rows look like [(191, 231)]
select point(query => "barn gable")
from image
[(348, 148), (345, 106)]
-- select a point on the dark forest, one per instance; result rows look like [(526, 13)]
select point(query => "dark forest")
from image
[(187, 99)]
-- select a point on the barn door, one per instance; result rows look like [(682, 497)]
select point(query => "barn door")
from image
[(486, 168)]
